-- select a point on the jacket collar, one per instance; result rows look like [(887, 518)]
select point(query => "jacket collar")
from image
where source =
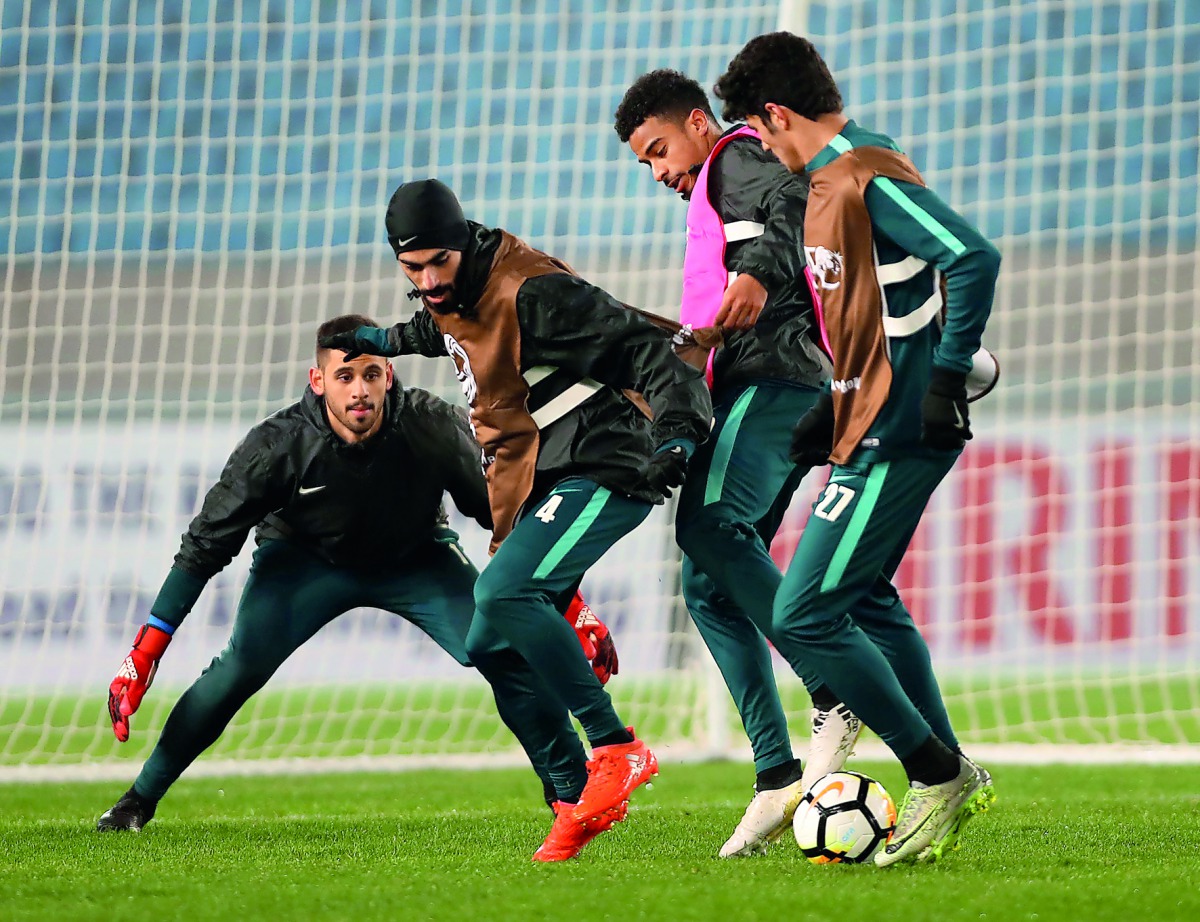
[(476, 266)]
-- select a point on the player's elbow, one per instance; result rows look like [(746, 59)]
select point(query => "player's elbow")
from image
[(979, 265), (988, 261)]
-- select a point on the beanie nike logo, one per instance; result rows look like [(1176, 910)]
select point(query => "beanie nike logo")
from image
[(408, 240)]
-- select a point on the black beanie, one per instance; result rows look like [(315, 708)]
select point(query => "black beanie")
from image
[(425, 215)]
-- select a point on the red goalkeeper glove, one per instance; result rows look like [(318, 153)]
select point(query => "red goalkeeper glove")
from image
[(597, 642), (137, 672)]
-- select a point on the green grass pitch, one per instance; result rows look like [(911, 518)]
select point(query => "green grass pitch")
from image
[(1061, 843)]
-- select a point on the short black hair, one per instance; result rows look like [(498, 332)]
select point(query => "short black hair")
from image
[(781, 68), (347, 323), (663, 94)]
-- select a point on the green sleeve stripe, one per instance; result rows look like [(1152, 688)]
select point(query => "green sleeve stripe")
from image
[(921, 216), (855, 527), (723, 450), (571, 536)]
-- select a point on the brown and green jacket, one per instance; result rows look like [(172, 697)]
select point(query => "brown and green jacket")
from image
[(905, 283), (547, 362)]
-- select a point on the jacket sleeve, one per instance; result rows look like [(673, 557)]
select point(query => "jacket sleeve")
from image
[(570, 323), (417, 336), (460, 460), (920, 223), (753, 186), (248, 490)]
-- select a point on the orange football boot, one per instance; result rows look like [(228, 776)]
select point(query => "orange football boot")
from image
[(568, 835), (613, 774)]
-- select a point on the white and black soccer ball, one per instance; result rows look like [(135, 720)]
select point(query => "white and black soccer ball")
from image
[(844, 817)]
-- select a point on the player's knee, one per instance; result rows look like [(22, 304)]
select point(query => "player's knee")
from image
[(706, 534), (494, 590), (238, 675), (802, 615), (480, 649)]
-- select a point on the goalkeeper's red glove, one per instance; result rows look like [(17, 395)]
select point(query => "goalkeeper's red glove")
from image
[(137, 672), (597, 642)]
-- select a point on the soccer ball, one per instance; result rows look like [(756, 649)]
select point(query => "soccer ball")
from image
[(844, 817)]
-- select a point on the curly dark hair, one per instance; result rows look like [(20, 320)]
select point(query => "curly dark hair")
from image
[(781, 68), (662, 93)]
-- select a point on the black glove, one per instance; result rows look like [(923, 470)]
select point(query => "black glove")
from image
[(361, 341), (945, 425), (812, 436), (667, 468)]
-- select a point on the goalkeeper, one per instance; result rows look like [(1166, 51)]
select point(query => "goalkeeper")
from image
[(346, 489)]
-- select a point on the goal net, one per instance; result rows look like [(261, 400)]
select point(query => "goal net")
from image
[(189, 188)]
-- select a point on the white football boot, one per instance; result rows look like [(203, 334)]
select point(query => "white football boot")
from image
[(767, 818), (932, 817), (834, 733)]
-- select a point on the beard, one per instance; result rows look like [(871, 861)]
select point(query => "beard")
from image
[(447, 306), (353, 423)]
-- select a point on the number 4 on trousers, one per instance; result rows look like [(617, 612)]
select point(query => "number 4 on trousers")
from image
[(546, 513)]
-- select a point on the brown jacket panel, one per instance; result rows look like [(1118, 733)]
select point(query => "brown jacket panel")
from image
[(489, 355), (839, 244)]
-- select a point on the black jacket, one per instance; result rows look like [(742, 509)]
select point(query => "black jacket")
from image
[(361, 506), (585, 333), (747, 183)]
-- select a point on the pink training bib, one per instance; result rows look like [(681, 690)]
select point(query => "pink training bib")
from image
[(705, 277)]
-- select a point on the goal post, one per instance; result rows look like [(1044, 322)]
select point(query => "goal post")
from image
[(188, 188)]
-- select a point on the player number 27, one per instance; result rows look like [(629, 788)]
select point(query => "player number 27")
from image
[(833, 502)]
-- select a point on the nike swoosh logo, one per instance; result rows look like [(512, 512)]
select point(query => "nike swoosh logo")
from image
[(306, 490), (407, 241), (958, 418)]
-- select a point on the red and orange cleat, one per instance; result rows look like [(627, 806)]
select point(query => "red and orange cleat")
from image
[(568, 835), (613, 774)]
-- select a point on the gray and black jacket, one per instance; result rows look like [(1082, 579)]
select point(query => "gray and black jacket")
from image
[(584, 338), (748, 184)]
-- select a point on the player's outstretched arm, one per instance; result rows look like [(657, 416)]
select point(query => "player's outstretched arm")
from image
[(418, 336), (570, 323), (919, 222), (249, 488)]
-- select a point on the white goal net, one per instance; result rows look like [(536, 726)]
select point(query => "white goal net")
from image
[(188, 188)]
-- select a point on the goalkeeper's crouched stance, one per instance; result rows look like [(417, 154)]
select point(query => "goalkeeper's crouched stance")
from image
[(346, 489)]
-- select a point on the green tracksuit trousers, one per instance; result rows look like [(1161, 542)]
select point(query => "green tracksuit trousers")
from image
[(837, 614), (546, 555), (740, 483), (292, 593)]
